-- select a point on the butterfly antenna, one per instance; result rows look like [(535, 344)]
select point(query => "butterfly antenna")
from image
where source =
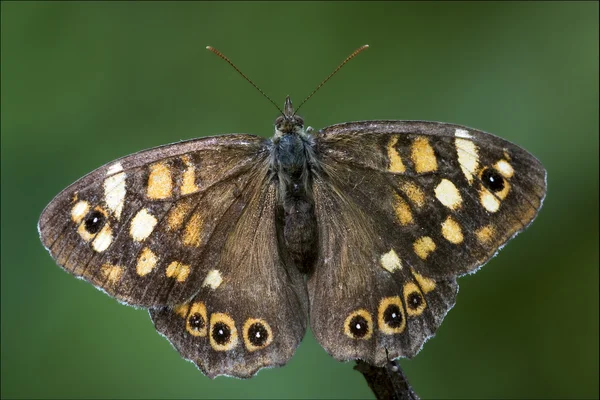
[(350, 57), (217, 52)]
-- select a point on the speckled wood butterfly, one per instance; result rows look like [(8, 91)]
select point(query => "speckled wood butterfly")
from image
[(236, 243)]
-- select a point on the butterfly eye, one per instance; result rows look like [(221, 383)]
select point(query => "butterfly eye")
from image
[(391, 315), (94, 222), (415, 302), (359, 325), (223, 335), (196, 320), (492, 180), (257, 334)]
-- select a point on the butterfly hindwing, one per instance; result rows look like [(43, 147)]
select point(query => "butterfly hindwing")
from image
[(251, 311), (403, 208), (141, 228)]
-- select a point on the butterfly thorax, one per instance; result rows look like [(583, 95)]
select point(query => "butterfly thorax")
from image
[(292, 162)]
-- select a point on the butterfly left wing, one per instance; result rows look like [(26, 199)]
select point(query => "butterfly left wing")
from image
[(251, 311), (403, 209)]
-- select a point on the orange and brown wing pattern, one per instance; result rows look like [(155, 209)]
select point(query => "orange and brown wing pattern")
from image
[(144, 228)]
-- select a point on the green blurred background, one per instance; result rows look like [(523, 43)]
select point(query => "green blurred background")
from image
[(85, 83)]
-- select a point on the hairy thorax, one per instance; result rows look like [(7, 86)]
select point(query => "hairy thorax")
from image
[(292, 164)]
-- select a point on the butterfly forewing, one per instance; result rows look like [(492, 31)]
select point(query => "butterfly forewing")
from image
[(403, 208), (141, 228)]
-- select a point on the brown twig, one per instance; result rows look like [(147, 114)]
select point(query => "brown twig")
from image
[(387, 382)]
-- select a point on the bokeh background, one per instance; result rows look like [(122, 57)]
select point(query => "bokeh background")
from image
[(85, 83)]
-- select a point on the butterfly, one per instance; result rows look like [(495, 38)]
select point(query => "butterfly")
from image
[(237, 243)]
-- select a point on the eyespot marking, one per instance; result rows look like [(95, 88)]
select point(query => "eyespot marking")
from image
[(112, 273), (257, 334), (191, 234), (178, 271), (452, 231), (415, 302), (146, 262), (114, 192), (390, 316), (424, 246), (448, 194), (189, 177), (403, 212), (396, 164), (160, 182), (414, 193), (390, 261), (142, 225), (359, 325), (423, 156), (223, 335), (213, 279), (196, 323), (79, 210), (468, 157)]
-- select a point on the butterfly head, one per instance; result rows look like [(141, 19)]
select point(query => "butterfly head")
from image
[(288, 123)]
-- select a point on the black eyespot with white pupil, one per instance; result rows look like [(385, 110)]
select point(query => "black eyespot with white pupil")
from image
[(492, 180), (258, 335), (414, 300), (358, 326), (221, 333), (392, 316), (197, 322), (94, 221)]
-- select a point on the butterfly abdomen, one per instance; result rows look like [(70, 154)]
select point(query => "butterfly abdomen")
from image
[(291, 155)]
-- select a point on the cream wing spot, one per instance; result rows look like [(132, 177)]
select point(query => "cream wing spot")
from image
[(414, 193), (177, 270), (424, 246), (402, 210), (115, 191), (112, 273), (448, 194), (505, 168), (390, 261), (142, 225), (485, 234), (452, 231), (189, 177), (213, 279), (462, 133), (160, 182), (103, 239), (396, 164), (146, 262), (468, 157), (423, 156), (488, 200), (79, 210), (113, 169)]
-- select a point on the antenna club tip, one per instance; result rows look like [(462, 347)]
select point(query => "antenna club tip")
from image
[(366, 45), (208, 47)]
